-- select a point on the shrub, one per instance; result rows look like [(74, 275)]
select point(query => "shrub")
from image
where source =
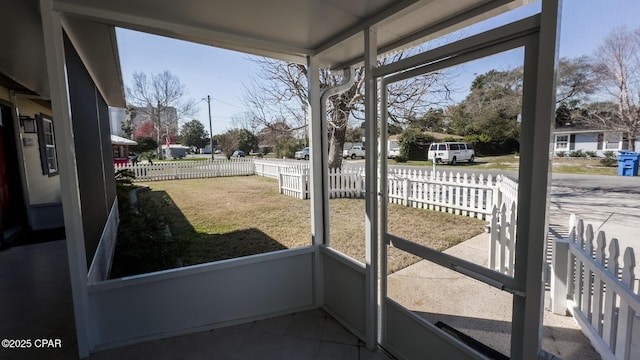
[(577, 153), (287, 148), (591, 154), (609, 159), (401, 158), (144, 244), (561, 153), (414, 145)]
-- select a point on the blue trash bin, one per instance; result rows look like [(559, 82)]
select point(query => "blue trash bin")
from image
[(628, 163)]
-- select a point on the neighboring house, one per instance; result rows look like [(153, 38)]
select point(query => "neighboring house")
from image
[(177, 151), (572, 139), (121, 150), (117, 116)]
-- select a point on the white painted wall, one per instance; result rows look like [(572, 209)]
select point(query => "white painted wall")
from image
[(200, 297), (42, 192), (42, 189)]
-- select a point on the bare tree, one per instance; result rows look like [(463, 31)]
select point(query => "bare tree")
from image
[(282, 91), (618, 65), (161, 97), (576, 80)]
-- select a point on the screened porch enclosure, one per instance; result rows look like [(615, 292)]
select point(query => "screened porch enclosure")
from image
[(113, 313)]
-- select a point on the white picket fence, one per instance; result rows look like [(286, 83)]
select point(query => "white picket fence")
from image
[(457, 194), (460, 194), (272, 168), (294, 182), (600, 293), (502, 246), (185, 169)]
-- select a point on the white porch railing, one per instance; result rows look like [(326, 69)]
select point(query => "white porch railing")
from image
[(185, 169), (600, 293)]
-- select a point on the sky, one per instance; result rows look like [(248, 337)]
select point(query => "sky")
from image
[(205, 70)]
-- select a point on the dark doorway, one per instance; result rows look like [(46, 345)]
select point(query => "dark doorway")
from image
[(12, 208)]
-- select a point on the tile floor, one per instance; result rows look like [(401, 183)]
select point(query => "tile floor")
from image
[(305, 335), (35, 298)]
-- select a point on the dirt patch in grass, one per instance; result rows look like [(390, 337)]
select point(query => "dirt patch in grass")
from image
[(224, 218)]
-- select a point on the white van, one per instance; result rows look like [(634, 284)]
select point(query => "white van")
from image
[(451, 152)]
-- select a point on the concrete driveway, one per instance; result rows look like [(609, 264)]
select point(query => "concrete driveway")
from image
[(608, 203)]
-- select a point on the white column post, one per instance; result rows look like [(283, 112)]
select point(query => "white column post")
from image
[(534, 177), (371, 185), (559, 276), (318, 179), (69, 188)]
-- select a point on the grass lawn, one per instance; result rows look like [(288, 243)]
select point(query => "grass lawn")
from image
[(567, 165), (222, 218), (504, 162)]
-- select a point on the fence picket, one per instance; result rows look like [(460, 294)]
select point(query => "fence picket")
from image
[(512, 238), (626, 314), (588, 273), (495, 236), (579, 283), (598, 285), (610, 322)]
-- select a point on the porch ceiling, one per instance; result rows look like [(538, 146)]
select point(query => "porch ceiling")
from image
[(292, 29), (289, 30)]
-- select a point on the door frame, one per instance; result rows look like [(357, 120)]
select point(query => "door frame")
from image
[(536, 34), (13, 161)]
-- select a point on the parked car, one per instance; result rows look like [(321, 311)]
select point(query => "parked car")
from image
[(302, 154), (354, 152), (218, 151), (451, 152), (393, 152), (238, 154), (133, 157)]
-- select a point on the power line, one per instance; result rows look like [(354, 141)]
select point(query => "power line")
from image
[(228, 103)]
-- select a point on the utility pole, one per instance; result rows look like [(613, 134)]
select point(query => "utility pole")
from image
[(210, 128)]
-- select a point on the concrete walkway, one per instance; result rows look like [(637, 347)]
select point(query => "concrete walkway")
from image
[(476, 309)]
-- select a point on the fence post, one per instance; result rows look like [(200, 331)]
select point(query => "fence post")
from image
[(559, 276), (405, 191), (497, 191), (494, 234), (176, 170), (301, 183), (279, 175), (610, 322)]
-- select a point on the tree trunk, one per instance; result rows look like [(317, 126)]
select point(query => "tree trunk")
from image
[(336, 139)]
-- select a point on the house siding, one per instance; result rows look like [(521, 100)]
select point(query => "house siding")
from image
[(588, 141), (42, 189), (42, 192)]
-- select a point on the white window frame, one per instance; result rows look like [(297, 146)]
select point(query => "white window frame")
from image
[(612, 141), (559, 142), (47, 143)]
